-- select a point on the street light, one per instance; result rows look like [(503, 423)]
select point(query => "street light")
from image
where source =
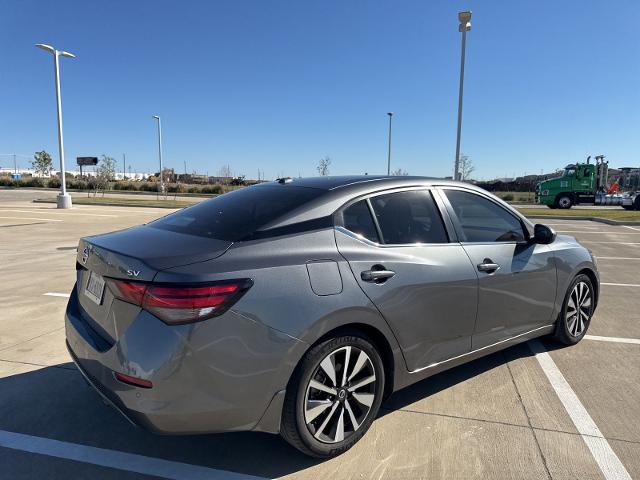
[(160, 151), (64, 199), (464, 26), (389, 143)]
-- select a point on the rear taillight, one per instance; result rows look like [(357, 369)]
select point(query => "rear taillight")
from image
[(178, 304)]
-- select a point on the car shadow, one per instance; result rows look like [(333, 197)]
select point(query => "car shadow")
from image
[(56, 403)]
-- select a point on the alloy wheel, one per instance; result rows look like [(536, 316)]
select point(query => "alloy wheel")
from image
[(579, 308), (340, 394)]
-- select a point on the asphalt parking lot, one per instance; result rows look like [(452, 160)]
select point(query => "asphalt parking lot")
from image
[(556, 413)]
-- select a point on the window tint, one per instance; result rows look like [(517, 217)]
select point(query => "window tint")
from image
[(357, 218), (482, 220), (235, 215), (409, 217)]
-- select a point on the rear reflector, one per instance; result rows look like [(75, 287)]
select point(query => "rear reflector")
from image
[(178, 304), (136, 382)]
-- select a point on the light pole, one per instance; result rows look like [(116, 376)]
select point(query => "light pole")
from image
[(389, 145), (64, 199), (160, 150), (465, 25)]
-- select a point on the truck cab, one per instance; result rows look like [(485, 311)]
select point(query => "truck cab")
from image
[(579, 184)]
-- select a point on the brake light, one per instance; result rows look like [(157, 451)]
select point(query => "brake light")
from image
[(179, 304), (135, 381)]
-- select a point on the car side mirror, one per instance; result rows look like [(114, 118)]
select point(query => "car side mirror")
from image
[(543, 235)]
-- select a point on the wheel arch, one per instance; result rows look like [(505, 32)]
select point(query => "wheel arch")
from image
[(377, 338), (594, 281)]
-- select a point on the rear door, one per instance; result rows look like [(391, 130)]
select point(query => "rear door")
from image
[(517, 278), (423, 284)]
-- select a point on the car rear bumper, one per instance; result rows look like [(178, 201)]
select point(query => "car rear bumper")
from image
[(214, 376)]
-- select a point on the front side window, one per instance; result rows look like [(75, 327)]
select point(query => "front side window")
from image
[(482, 220), (357, 219), (409, 217)]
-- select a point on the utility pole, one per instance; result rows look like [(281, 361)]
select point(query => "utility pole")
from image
[(389, 145), (124, 167), (64, 199), (15, 164), (465, 25)]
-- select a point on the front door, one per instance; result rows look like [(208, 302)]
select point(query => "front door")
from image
[(517, 278), (424, 285)]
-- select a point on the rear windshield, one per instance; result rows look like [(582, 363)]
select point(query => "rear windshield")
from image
[(236, 215)]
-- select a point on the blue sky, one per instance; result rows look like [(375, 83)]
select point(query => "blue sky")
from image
[(276, 85)]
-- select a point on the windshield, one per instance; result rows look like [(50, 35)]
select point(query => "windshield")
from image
[(235, 215)]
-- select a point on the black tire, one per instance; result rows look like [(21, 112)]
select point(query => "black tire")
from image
[(294, 428), (566, 331), (636, 204), (564, 201)]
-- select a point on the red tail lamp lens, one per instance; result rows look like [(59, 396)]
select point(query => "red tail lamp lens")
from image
[(135, 381), (178, 304)]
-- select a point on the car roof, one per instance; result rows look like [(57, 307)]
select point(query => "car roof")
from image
[(340, 189), (342, 181)]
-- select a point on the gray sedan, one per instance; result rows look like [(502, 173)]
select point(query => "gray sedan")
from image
[(297, 306)]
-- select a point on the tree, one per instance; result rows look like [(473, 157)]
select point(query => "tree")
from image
[(225, 173), (42, 163), (466, 167), (400, 173), (323, 166), (105, 173)]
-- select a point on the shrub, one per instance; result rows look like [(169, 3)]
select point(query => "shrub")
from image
[(53, 182), (8, 182), (212, 189), (508, 197), (33, 182)]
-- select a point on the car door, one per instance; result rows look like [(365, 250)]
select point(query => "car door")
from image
[(517, 278), (399, 250)]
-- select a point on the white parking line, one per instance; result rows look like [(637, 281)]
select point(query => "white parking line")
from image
[(620, 284), (631, 228), (54, 294), (603, 454), (615, 243), (57, 212), (598, 233), (33, 218), (598, 338), (617, 258), (129, 462)]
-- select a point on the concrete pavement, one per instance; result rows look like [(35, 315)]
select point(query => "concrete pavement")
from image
[(497, 417)]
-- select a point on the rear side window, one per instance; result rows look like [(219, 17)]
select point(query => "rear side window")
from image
[(409, 217), (482, 220), (235, 215), (357, 218)]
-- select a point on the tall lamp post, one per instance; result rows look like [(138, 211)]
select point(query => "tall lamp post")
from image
[(64, 199), (160, 151), (389, 145), (465, 25)]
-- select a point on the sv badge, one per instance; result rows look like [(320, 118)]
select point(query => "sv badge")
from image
[(133, 273)]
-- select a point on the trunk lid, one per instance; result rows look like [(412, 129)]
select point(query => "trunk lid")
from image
[(137, 254)]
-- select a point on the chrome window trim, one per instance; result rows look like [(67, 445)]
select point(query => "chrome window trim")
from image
[(366, 241), (448, 228)]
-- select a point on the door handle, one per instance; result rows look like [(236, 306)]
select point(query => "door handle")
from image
[(377, 276), (488, 266)]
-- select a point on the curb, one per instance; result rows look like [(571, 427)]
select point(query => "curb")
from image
[(592, 219)]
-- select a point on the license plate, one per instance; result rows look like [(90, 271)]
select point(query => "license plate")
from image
[(95, 288)]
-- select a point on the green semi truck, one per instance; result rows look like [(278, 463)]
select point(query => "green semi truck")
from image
[(579, 184)]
